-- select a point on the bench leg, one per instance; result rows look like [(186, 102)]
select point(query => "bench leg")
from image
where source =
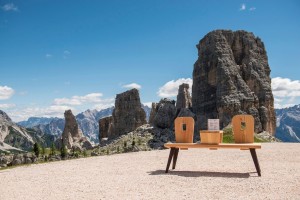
[(255, 160), (175, 157), (172, 151)]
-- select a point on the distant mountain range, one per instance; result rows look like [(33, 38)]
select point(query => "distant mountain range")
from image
[(21, 136), (14, 137), (288, 124), (88, 122)]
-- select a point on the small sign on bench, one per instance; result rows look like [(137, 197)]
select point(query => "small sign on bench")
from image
[(213, 124)]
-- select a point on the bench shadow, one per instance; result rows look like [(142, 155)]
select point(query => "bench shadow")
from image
[(201, 174)]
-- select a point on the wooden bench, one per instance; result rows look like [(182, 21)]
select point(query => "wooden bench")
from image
[(174, 150), (243, 128)]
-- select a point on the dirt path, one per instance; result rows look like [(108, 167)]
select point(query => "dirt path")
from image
[(199, 174)]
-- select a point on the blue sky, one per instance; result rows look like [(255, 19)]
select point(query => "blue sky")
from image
[(56, 55)]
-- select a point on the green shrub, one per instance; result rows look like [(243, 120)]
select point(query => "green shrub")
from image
[(43, 150), (84, 153), (259, 140), (228, 135), (63, 151), (52, 149), (139, 141)]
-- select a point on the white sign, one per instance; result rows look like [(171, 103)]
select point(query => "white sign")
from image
[(213, 124)]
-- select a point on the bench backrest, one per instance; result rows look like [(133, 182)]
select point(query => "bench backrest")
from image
[(184, 129), (243, 128)]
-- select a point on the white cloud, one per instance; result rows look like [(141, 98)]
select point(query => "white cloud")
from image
[(10, 7), (132, 85), (6, 92), (48, 55), (284, 87), (106, 103), (7, 106), (170, 89), (51, 111), (149, 104), (286, 92), (66, 54), (243, 7), (252, 9), (79, 100)]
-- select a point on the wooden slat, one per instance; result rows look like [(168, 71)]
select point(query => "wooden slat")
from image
[(181, 135), (218, 146), (243, 134)]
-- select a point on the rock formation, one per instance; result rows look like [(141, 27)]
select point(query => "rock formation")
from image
[(72, 136), (152, 113), (232, 76), (105, 127), (164, 113), (127, 115), (184, 99), (185, 112)]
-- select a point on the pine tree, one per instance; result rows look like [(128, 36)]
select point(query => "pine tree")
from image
[(43, 150), (36, 149), (52, 150)]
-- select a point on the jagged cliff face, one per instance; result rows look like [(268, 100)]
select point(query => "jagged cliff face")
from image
[(127, 115), (71, 125), (232, 76), (105, 127), (72, 135), (184, 99)]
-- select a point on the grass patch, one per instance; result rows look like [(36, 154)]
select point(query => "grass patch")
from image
[(228, 137)]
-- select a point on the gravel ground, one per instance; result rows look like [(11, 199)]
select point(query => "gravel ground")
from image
[(199, 174)]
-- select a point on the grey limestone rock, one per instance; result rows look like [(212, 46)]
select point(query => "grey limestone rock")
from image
[(232, 76), (185, 112), (152, 113), (127, 115), (72, 134), (105, 127), (184, 99), (16, 162), (165, 113)]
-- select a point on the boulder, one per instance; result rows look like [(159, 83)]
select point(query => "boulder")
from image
[(165, 114), (28, 161), (86, 145), (18, 157), (4, 160), (230, 77), (16, 162)]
